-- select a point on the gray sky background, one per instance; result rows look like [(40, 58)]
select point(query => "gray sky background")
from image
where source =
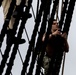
[(70, 62)]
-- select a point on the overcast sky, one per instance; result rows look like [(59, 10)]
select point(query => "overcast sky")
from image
[(70, 63)]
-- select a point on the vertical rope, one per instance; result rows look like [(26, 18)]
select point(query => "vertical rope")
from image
[(3, 31), (37, 8), (64, 55), (57, 12), (67, 23), (33, 12)]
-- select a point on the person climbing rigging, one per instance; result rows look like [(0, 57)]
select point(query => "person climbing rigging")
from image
[(57, 43), (6, 4)]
